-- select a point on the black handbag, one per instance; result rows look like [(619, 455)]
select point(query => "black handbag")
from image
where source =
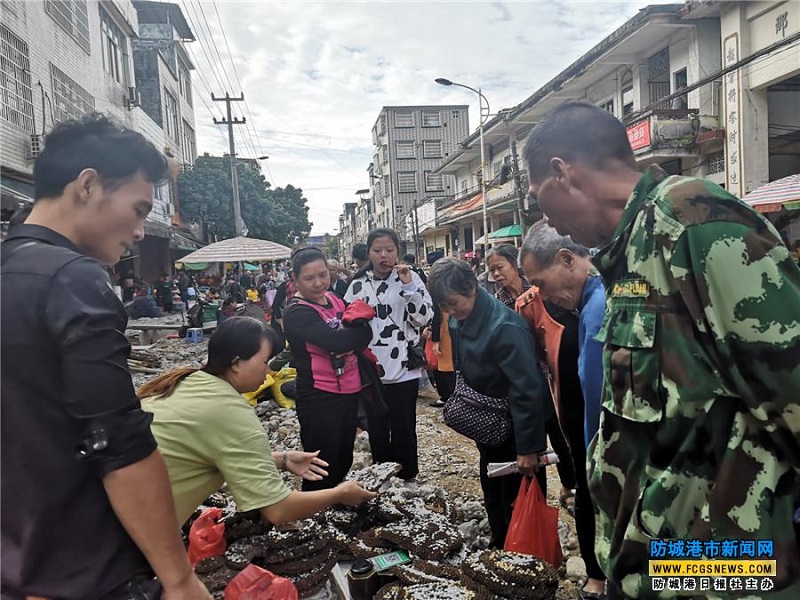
[(416, 357), (481, 418)]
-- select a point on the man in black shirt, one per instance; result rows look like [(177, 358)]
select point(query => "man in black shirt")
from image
[(87, 509)]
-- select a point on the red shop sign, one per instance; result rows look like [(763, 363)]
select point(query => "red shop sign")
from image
[(639, 135)]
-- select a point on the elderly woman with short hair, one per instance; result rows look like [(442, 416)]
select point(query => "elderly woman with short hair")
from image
[(493, 349), (562, 272)]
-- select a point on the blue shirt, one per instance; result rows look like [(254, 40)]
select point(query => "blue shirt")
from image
[(590, 358)]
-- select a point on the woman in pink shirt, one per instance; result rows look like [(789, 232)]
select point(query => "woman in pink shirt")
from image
[(328, 377)]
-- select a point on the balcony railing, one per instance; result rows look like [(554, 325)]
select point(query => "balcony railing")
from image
[(659, 90), (674, 131)]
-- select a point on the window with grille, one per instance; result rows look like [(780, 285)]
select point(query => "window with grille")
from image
[(171, 115), (432, 149), (627, 101), (386, 186), (15, 81), (716, 162), (385, 154), (407, 182), (608, 105), (185, 81), (382, 125), (456, 114), (404, 119), (433, 183), (431, 118), (113, 49), (189, 150), (406, 150), (70, 100), (73, 17)]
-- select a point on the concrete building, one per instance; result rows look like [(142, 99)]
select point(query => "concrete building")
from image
[(347, 230), (409, 144), (62, 60), (761, 99), (661, 73)]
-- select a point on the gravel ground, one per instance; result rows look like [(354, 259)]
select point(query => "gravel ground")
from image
[(447, 460)]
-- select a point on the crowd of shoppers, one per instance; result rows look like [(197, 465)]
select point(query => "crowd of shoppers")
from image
[(669, 394)]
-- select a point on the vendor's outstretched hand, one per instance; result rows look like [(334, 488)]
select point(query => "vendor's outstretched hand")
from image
[(306, 465), (352, 493)]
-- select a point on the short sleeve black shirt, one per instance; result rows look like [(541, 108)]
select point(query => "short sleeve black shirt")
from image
[(64, 380)]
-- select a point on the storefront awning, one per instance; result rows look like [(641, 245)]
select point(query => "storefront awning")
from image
[(183, 242), (510, 231), (15, 193), (772, 197), (192, 266), (156, 229)]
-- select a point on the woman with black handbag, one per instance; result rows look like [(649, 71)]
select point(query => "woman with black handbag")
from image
[(501, 400), (325, 353), (404, 308)]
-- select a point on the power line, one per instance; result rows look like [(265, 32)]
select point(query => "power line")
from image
[(248, 139), (194, 22), (236, 74)]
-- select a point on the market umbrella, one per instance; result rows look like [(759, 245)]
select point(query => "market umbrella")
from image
[(508, 232), (239, 249), (771, 197)]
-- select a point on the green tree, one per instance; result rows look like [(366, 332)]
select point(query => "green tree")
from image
[(279, 215), (332, 249)]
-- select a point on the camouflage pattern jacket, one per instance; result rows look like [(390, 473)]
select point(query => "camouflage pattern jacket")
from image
[(700, 432)]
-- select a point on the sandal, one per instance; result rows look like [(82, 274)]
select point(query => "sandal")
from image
[(564, 500)]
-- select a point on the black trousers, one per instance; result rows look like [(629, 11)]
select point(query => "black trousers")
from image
[(393, 435), (565, 466), (328, 424), (499, 493), (572, 427), (445, 383)]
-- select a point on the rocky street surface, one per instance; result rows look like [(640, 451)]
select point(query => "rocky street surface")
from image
[(447, 460)]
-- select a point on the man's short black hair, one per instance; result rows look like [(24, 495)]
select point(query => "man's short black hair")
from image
[(410, 259), (576, 132), (94, 142), (360, 252)]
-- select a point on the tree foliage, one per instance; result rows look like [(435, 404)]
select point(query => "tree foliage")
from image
[(279, 215)]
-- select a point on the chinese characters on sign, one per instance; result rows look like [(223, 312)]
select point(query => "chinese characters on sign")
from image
[(639, 135), (719, 565), (781, 23), (733, 140)]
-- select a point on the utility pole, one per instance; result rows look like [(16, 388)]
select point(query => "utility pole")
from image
[(230, 121), (415, 226), (522, 195)]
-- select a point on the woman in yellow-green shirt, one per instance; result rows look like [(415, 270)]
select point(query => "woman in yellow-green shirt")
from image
[(208, 433)]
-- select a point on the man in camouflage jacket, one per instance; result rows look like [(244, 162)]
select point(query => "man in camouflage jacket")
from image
[(700, 431)]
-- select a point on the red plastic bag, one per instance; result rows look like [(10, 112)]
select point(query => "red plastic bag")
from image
[(433, 358), (206, 536), (534, 525), (255, 583)]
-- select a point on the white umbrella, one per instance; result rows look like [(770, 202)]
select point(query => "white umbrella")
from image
[(771, 197), (238, 249)]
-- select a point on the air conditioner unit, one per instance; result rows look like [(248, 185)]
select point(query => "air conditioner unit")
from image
[(169, 209), (134, 99), (36, 145)]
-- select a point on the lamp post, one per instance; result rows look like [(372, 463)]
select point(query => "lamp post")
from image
[(240, 229), (483, 117)]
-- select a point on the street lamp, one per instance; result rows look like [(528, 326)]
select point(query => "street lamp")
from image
[(240, 229), (483, 117)]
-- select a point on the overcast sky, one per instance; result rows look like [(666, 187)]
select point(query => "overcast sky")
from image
[(316, 74)]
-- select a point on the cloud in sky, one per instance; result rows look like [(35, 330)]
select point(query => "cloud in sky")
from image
[(316, 74)]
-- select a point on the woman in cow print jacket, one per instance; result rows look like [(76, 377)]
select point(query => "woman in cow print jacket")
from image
[(404, 307)]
